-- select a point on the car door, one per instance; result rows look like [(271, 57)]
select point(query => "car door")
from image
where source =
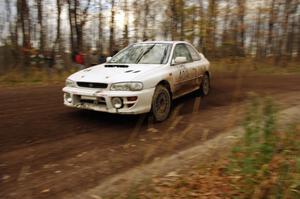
[(182, 71), (197, 68)]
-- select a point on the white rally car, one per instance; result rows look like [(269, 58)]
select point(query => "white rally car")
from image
[(144, 77)]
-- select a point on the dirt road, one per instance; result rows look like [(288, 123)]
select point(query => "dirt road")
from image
[(51, 151)]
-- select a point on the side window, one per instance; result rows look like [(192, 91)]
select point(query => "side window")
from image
[(182, 51), (195, 55)]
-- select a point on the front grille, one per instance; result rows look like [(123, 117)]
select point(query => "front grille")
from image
[(96, 102), (92, 85)]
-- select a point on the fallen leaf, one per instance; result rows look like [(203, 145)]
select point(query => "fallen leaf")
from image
[(5, 177), (153, 130), (172, 174), (45, 190), (96, 197)]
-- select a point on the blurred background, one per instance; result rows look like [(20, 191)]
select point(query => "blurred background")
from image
[(48, 34), (50, 151)]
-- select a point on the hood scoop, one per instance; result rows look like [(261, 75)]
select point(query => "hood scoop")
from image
[(116, 66)]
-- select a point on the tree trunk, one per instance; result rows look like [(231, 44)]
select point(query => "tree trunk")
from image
[(258, 34), (182, 19), (272, 19), (285, 25), (136, 21), (174, 19), (194, 16), (72, 25), (292, 29), (57, 44), (241, 26), (24, 19), (77, 20), (228, 32), (201, 27), (298, 50), (211, 27), (126, 32), (101, 39), (112, 29), (41, 25), (145, 23)]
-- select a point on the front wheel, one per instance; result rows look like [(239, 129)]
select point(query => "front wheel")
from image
[(161, 103)]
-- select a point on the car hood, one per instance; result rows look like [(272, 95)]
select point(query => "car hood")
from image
[(110, 73)]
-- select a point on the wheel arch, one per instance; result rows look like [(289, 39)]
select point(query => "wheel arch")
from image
[(208, 73), (166, 84)]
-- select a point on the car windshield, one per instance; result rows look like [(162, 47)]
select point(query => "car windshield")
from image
[(150, 53)]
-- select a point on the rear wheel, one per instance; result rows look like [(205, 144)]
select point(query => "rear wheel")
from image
[(161, 103), (205, 85)]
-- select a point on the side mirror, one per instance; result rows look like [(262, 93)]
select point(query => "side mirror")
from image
[(180, 60), (108, 59)]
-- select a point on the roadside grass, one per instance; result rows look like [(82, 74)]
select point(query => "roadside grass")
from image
[(34, 76), (267, 160), (264, 163), (43, 76), (256, 67)]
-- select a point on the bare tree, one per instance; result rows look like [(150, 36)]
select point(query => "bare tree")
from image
[(216, 25), (39, 4), (145, 23), (211, 26), (126, 32), (258, 33), (291, 29), (136, 22), (272, 20), (174, 19), (24, 21), (201, 25), (101, 23), (298, 38), (241, 5), (77, 20), (57, 43), (112, 29), (181, 5)]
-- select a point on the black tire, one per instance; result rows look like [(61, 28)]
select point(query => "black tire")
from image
[(205, 85), (161, 104)]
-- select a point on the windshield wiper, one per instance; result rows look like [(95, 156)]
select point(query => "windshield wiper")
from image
[(146, 52)]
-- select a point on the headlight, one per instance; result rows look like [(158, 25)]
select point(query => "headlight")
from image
[(127, 86), (70, 83)]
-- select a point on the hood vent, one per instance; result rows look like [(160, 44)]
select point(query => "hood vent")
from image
[(117, 66), (132, 71)]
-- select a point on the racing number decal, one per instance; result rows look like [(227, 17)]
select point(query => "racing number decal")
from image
[(183, 73)]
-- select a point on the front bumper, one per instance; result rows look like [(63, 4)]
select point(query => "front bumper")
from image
[(100, 100)]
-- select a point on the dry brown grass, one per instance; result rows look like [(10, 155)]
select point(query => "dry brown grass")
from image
[(253, 66), (44, 76), (33, 76)]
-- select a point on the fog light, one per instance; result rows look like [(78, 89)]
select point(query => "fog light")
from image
[(117, 102), (132, 98), (68, 97)]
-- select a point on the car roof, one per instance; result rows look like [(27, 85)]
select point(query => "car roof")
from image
[(164, 42)]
